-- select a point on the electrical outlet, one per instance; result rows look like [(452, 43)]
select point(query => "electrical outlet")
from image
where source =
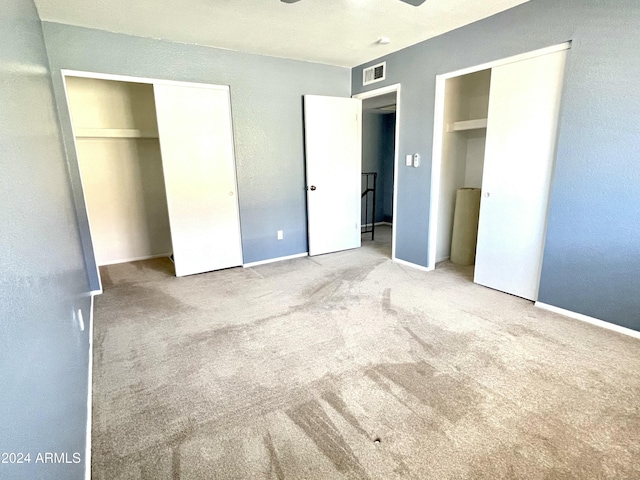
[(280, 235)]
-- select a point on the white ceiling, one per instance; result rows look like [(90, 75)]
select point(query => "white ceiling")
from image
[(336, 32)]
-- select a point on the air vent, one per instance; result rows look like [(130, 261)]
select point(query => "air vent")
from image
[(374, 74)]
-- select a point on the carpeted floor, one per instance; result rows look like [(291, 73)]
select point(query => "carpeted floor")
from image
[(350, 366)]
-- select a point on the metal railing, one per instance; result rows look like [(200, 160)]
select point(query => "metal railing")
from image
[(369, 196)]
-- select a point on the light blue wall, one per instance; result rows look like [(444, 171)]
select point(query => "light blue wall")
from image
[(592, 254), (378, 134), (43, 353), (266, 102)]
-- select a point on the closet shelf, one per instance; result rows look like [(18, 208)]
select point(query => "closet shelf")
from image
[(462, 126), (115, 133)]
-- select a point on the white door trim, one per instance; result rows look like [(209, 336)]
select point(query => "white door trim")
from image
[(127, 78), (396, 149), (438, 126)]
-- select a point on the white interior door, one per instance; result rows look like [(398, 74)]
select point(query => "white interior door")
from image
[(333, 145), (522, 124), (196, 143)]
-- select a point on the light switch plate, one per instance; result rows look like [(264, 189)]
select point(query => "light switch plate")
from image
[(409, 160)]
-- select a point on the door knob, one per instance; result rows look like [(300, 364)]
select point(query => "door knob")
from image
[(487, 194), (312, 188)]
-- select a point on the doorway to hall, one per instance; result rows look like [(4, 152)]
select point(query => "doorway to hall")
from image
[(379, 155)]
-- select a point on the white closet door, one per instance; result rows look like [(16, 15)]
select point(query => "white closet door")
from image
[(196, 142), (333, 146), (521, 138)]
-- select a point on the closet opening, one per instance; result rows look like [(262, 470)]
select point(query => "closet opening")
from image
[(118, 148), (464, 132), (157, 166), (379, 159), (495, 132)]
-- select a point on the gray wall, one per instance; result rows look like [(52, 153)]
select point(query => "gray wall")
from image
[(266, 102), (592, 253), (43, 352), (378, 135)]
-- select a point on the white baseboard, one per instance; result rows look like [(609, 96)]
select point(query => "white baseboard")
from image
[(134, 259), (438, 260), (413, 265), (591, 320), (272, 260), (376, 224)]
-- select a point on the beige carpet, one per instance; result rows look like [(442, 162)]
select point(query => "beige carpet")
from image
[(350, 366)]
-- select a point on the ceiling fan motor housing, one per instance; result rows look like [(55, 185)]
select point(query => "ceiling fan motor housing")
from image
[(415, 3)]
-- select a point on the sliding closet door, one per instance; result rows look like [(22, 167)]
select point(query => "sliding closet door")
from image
[(522, 123), (196, 143)]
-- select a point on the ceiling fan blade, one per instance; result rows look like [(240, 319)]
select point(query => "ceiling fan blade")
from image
[(415, 3)]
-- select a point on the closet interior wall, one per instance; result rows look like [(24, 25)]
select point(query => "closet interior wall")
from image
[(116, 134), (463, 145)]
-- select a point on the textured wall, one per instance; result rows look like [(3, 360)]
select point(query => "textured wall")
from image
[(266, 102), (43, 352), (592, 254)]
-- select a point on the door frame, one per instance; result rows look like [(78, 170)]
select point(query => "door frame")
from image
[(145, 80), (438, 130), (396, 152)]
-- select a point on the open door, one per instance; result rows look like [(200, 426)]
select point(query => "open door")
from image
[(196, 142), (333, 146), (524, 105)]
